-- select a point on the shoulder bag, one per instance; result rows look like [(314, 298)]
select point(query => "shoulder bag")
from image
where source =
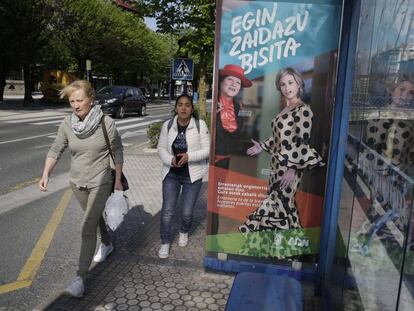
[(124, 181)]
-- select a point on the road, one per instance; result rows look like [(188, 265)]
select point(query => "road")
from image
[(40, 231), (26, 137)]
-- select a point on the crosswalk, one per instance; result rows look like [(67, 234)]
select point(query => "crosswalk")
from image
[(130, 127)]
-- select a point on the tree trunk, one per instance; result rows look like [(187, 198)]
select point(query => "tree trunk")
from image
[(80, 72), (3, 75), (2, 86), (141, 78), (202, 91), (27, 84)]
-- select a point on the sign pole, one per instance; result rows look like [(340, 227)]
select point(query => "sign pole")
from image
[(88, 69), (170, 82)]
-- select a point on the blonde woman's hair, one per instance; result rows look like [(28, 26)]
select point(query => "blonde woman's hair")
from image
[(296, 75), (78, 85), (391, 86)]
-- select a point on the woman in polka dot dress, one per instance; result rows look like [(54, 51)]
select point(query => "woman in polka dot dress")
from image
[(390, 140), (291, 154)]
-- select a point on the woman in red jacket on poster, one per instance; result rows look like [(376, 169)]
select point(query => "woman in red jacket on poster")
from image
[(228, 121)]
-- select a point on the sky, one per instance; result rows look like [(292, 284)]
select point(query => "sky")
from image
[(151, 23)]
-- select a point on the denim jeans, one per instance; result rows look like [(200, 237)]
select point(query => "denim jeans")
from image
[(171, 187)]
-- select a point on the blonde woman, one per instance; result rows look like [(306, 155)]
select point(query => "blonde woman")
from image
[(290, 155), (90, 172)]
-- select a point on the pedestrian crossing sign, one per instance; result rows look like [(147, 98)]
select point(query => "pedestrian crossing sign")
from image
[(183, 69)]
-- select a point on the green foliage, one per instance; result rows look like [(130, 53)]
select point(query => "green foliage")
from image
[(116, 41), (206, 118), (194, 22), (24, 32), (63, 34), (153, 133)]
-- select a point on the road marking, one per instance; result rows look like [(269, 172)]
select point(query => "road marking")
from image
[(7, 114), (25, 138), (21, 185), (118, 128), (60, 120), (126, 127), (129, 120), (159, 108), (161, 115), (47, 122), (141, 119), (12, 200), (116, 122), (14, 286), (128, 134), (29, 270), (49, 118)]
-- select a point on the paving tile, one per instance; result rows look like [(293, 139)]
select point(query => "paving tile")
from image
[(134, 278)]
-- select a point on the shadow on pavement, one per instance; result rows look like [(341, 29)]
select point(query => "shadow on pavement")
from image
[(134, 278)]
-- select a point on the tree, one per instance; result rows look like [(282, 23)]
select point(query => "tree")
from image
[(24, 28), (8, 54), (54, 34), (117, 42), (194, 21)]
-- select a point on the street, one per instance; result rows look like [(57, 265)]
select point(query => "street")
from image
[(40, 231), (26, 137)]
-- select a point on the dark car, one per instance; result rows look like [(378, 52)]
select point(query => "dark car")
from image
[(117, 100)]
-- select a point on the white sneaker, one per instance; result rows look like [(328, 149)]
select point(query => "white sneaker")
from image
[(103, 252), (183, 239), (164, 251), (76, 288)]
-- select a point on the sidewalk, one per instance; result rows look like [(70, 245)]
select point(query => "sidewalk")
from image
[(134, 278)]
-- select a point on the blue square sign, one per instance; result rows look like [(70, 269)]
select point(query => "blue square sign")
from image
[(183, 69)]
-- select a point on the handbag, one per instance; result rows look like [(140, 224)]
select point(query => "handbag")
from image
[(124, 181)]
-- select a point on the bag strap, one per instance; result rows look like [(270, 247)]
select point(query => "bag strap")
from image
[(170, 123), (105, 133), (197, 122)]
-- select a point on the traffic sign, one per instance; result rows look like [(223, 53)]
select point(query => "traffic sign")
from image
[(183, 69)]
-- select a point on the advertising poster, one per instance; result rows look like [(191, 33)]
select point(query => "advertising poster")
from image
[(272, 106)]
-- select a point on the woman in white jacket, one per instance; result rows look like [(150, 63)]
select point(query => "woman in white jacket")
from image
[(183, 147)]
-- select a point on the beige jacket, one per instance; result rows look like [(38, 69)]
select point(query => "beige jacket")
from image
[(90, 159)]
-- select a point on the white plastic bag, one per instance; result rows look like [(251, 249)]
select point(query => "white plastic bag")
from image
[(116, 208)]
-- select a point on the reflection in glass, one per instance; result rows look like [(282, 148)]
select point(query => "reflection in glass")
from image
[(376, 201)]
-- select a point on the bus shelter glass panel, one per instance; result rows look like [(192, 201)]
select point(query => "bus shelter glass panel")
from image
[(375, 261)]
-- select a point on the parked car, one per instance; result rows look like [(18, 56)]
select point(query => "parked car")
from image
[(117, 100)]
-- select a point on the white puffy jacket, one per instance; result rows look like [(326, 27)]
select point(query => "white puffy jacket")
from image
[(198, 148)]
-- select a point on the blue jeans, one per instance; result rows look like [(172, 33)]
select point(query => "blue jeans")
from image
[(171, 187)]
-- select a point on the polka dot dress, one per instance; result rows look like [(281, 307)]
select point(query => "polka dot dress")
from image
[(289, 148), (388, 140), (392, 139)]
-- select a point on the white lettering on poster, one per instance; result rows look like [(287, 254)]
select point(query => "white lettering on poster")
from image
[(270, 37), (230, 195)]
